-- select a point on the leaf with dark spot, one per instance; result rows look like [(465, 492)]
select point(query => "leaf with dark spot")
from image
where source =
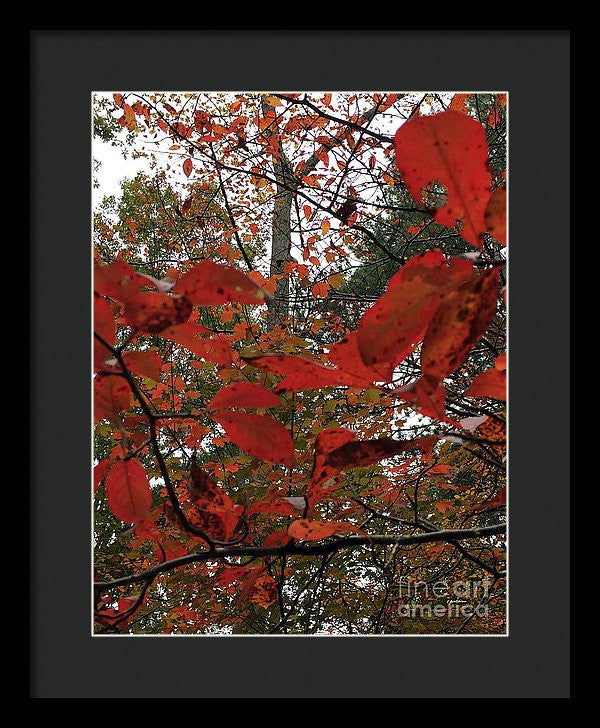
[(458, 324), (152, 312), (306, 530), (397, 322), (112, 396)]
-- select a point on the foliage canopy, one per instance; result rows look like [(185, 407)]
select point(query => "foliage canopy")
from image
[(300, 365)]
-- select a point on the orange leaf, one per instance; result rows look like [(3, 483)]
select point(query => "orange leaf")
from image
[(188, 166), (264, 591), (458, 103), (491, 383), (211, 348), (320, 290)]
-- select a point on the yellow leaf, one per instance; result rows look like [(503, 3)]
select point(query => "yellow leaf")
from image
[(336, 280)]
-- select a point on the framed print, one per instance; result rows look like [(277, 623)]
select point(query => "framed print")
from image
[(289, 330)]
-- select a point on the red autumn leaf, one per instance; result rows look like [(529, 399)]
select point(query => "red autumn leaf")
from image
[(206, 494), (112, 396), (127, 608), (459, 323), (100, 472), (300, 373), (152, 312), (395, 324), (272, 504), (258, 435), (449, 147), (217, 526), (128, 491), (105, 326), (264, 590), (428, 394), (322, 473), (320, 290), (213, 348), (230, 575), (305, 530), (360, 453), (211, 284), (346, 356), (268, 285), (188, 166), (249, 582), (440, 469), (491, 383), (495, 215), (118, 280), (277, 538), (144, 363), (493, 117), (458, 103), (498, 500), (500, 363), (244, 394)]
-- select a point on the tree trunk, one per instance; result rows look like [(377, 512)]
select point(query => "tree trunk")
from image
[(281, 241)]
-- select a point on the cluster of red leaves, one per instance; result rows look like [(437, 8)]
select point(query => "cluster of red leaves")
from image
[(443, 304)]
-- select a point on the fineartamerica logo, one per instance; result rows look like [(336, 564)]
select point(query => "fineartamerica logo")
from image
[(442, 598)]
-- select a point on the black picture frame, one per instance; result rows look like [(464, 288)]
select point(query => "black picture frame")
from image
[(533, 661)]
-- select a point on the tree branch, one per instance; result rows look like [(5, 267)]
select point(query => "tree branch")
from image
[(295, 549)]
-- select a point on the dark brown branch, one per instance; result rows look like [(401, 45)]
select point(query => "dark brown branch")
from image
[(350, 542)]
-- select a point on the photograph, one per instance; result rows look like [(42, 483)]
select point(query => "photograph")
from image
[(298, 363)]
